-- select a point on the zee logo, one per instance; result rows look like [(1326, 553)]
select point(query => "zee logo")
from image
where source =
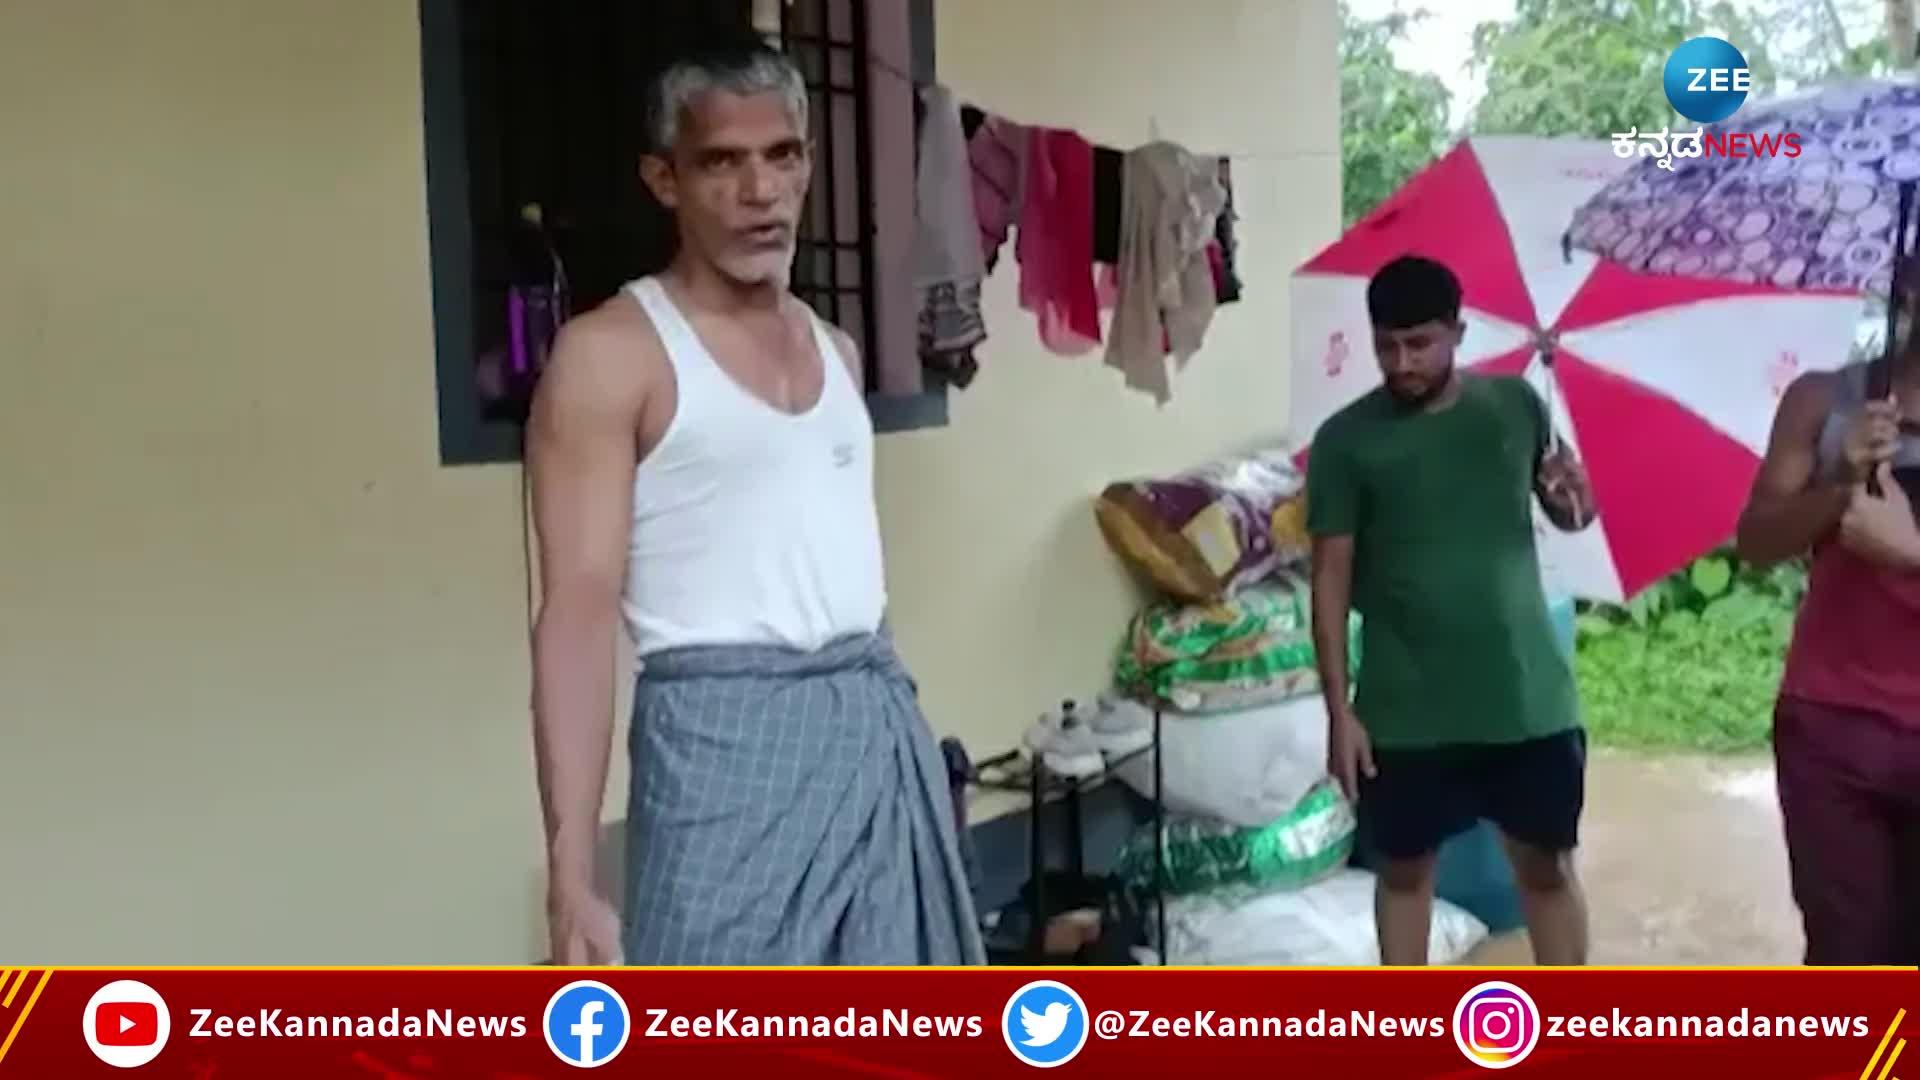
[(1719, 79), (1707, 80)]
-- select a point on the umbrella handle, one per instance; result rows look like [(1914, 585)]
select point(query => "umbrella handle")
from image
[(1553, 429), (1880, 383), (1880, 374), (1546, 345)]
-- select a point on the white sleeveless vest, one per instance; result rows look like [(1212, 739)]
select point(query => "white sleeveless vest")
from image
[(752, 526)]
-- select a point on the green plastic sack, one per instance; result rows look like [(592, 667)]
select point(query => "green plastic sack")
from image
[(1252, 648), (1312, 840)]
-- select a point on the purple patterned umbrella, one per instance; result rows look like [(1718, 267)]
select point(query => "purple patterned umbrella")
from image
[(1813, 204)]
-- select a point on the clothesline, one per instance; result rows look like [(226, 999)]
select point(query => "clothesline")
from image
[(1107, 171), (972, 112), (1146, 233)]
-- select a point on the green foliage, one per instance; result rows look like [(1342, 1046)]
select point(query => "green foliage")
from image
[(1594, 67), (1693, 661), (1817, 40), (1570, 67), (1393, 122)]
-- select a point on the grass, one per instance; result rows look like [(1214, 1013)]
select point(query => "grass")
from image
[(1706, 688), (1691, 664)]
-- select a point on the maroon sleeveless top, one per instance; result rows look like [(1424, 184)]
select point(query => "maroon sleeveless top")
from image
[(1856, 642)]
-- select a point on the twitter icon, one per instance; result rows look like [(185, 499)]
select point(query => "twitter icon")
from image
[(1044, 1023)]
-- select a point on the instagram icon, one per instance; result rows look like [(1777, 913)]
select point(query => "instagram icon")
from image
[(1496, 1025)]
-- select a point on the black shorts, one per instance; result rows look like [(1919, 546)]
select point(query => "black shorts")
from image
[(1534, 791)]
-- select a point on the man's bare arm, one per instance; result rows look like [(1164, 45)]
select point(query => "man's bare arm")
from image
[(1332, 602), (1349, 750), (1790, 507), (581, 449)]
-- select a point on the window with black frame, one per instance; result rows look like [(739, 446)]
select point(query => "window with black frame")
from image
[(862, 60), (826, 39)]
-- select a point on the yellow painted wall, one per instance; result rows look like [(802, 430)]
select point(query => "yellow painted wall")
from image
[(262, 660)]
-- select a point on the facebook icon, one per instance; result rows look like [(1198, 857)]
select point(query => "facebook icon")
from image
[(586, 1024)]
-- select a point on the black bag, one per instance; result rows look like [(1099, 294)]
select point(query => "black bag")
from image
[(1122, 922)]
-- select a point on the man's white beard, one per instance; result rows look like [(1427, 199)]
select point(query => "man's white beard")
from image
[(780, 276)]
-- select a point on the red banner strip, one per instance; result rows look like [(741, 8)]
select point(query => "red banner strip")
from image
[(526, 1023)]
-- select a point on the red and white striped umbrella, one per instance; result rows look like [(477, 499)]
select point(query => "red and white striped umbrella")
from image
[(1665, 386)]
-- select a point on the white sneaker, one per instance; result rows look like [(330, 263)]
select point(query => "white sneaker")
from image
[(1121, 726), (1065, 744)]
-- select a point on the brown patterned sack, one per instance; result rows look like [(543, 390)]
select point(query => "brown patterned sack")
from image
[(1203, 534)]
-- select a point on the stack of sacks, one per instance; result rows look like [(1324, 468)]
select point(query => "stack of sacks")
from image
[(1244, 729), (1258, 842), (1256, 831), (1258, 837), (1199, 538), (1226, 655)]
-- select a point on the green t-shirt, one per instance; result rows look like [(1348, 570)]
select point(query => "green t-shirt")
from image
[(1457, 646)]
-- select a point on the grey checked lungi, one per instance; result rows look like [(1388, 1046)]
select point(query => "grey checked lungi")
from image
[(789, 808)]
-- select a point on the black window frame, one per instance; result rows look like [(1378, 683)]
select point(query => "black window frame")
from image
[(466, 435)]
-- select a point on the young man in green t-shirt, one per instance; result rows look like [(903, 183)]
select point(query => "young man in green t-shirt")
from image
[(1420, 503)]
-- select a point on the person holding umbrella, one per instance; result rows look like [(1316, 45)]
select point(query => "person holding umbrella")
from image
[(1419, 500), (1839, 482)]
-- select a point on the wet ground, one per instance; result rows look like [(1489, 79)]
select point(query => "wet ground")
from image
[(1683, 865)]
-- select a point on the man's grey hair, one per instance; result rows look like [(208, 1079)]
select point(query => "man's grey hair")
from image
[(742, 70)]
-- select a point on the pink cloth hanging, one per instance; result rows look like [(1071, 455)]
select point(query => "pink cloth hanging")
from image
[(1055, 245), (998, 154)]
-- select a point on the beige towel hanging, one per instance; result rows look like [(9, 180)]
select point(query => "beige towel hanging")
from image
[(1170, 202)]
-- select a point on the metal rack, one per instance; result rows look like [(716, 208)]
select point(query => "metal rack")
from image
[(1044, 787)]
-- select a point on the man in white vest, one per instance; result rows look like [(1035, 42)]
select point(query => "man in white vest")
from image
[(702, 470)]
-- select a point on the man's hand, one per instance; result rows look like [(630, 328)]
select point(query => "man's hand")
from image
[(1882, 527), (1349, 753), (582, 929), (1561, 484), (1871, 439)]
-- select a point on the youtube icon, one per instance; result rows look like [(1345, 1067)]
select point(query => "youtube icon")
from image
[(126, 1024)]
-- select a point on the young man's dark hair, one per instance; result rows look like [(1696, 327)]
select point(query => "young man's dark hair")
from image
[(1420, 501), (1414, 305), (1412, 290)]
